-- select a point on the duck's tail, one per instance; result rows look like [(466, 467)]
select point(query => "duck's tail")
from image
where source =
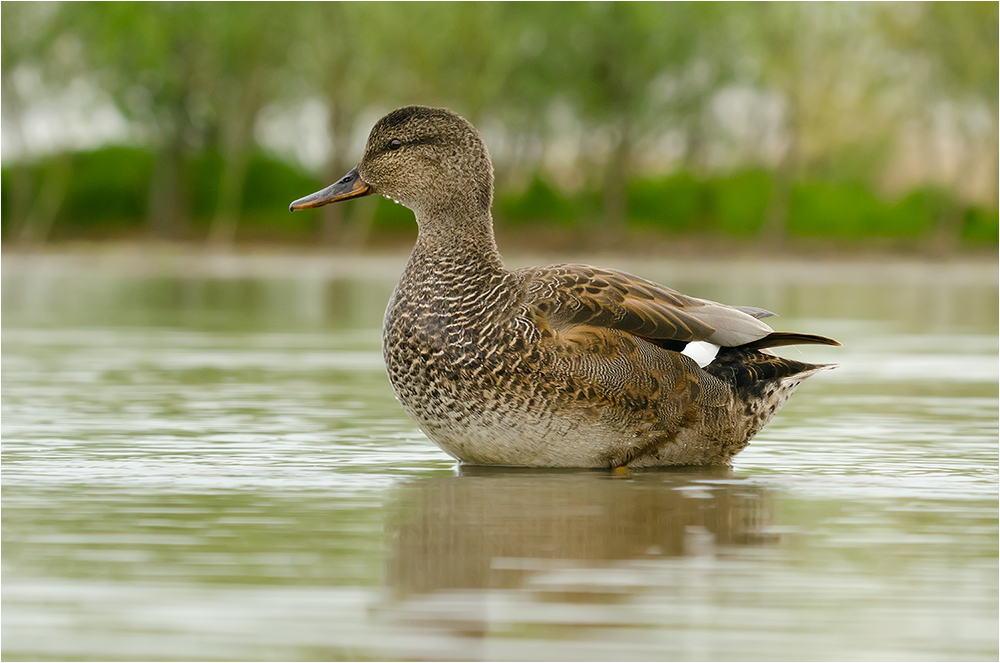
[(776, 339), (751, 368), (751, 363)]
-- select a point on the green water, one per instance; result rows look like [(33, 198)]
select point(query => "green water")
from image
[(202, 459)]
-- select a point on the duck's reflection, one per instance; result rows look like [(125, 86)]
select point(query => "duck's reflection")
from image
[(486, 528)]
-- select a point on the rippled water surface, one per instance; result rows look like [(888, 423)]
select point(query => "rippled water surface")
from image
[(202, 459)]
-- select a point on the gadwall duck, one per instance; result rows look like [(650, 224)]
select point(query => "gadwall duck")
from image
[(559, 366)]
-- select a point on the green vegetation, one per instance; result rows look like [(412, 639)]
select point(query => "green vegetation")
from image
[(743, 121), (107, 193)]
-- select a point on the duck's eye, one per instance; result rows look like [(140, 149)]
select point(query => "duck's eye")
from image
[(395, 144)]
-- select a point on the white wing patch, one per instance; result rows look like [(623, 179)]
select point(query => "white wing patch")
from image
[(702, 352)]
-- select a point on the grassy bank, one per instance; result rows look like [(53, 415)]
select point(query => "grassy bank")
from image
[(104, 194)]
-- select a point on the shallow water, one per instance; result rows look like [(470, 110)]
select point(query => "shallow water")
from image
[(202, 459)]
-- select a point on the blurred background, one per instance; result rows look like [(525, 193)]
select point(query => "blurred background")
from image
[(610, 124)]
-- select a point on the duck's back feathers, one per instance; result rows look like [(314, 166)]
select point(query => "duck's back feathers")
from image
[(578, 295)]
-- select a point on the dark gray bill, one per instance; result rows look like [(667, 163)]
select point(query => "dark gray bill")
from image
[(349, 186)]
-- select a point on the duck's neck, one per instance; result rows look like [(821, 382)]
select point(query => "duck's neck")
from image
[(457, 243)]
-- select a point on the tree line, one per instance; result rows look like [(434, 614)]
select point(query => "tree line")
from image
[(576, 98)]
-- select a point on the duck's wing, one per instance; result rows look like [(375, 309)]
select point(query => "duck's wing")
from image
[(577, 295)]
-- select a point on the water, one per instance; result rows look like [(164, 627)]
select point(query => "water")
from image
[(202, 459)]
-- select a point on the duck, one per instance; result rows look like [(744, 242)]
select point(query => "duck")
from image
[(564, 365)]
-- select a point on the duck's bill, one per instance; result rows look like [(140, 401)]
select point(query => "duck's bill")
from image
[(349, 186)]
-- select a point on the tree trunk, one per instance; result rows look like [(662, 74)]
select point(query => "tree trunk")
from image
[(775, 230), (946, 237), (22, 183), (230, 203), (46, 206), (237, 145), (616, 174), (165, 202), (19, 210)]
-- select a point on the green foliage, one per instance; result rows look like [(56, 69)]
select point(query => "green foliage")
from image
[(735, 205), (732, 205), (107, 189), (677, 203), (273, 183), (108, 186), (850, 211), (392, 217), (539, 202), (954, 37), (834, 86), (739, 202), (201, 177), (981, 226)]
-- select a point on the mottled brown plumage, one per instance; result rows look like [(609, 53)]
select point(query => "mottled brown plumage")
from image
[(566, 365)]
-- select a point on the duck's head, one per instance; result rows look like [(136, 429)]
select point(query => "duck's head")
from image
[(431, 160)]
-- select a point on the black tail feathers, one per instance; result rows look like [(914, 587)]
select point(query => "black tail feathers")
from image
[(753, 369), (776, 339)]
